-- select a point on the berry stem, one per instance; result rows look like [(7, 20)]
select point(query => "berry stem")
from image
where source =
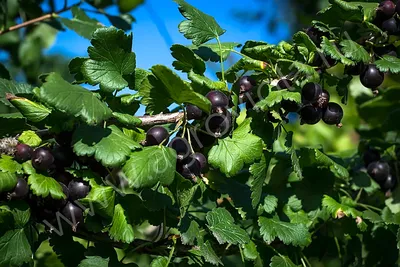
[(221, 59), (171, 253)]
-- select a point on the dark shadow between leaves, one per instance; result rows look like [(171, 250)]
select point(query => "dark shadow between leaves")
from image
[(90, 135)]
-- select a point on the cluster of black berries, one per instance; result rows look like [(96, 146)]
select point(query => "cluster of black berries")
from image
[(316, 106), (51, 162), (386, 17), (379, 169)]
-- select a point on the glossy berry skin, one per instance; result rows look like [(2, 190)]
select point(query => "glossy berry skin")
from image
[(311, 92), (63, 177), (20, 191), (387, 8), (156, 135), (42, 159), (379, 171), (371, 155), (246, 83), (201, 139), (73, 213), (290, 106), (371, 77), (190, 168), (181, 146), (390, 26), (219, 124), (78, 189), (193, 112), (389, 183), (310, 115), (333, 114), (217, 99), (23, 153), (202, 160)]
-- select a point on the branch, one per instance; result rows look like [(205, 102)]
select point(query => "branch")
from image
[(149, 120), (38, 19)]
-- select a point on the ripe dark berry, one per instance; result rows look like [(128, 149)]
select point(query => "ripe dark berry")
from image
[(190, 168), (219, 124), (284, 84), (23, 153), (156, 135), (42, 159), (73, 213), (63, 177), (333, 114), (311, 92), (389, 183), (181, 146), (371, 77), (63, 156), (56, 204), (390, 26), (201, 139), (371, 155), (202, 160), (315, 35), (290, 106), (379, 171), (78, 189), (20, 191), (246, 83), (193, 112), (217, 99), (310, 115), (323, 99), (387, 8)]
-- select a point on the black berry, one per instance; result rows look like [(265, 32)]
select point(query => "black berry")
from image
[(389, 183), (42, 159), (315, 35), (20, 191), (371, 155), (217, 99), (246, 83), (78, 189), (193, 112), (181, 146), (190, 168), (387, 8), (311, 92), (333, 114), (202, 160), (23, 153), (156, 135), (371, 77), (379, 170), (73, 213), (201, 139), (63, 156), (284, 84), (310, 115), (390, 26), (63, 177), (219, 124), (56, 204)]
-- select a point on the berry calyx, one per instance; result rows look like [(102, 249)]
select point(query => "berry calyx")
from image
[(202, 160), (371, 77), (311, 92), (23, 153), (379, 171), (42, 159), (310, 115), (323, 99), (181, 146), (20, 191), (78, 189), (156, 135), (390, 26), (217, 99), (387, 8), (284, 84), (193, 112), (333, 114), (246, 83)]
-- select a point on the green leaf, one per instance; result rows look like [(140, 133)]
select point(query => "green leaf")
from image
[(73, 100), (372, 216), (102, 199), (198, 27), (259, 172), (354, 51), (126, 6), (126, 119), (159, 262), (179, 91), (331, 49), (187, 60), (302, 39), (250, 251), (281, 261), (246, 64), (30, 138), (121, 230), (222, 225), (297, 216), (13, 88), (34, 112), (308, 71), (270, 203), (111, 59), (337, 209), (110, 145), (388, 63), (8, 164), (203, 85), (94, 261), (7, 181), (43, 186), (14, 248), (75, 68), (288, 233), (20, 211), (190, 233), (276, 97), (263, 51), (294, 203), (232, 153), (213, 52), (141, 174), (207, 251), (81, 23), (183, 191)]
